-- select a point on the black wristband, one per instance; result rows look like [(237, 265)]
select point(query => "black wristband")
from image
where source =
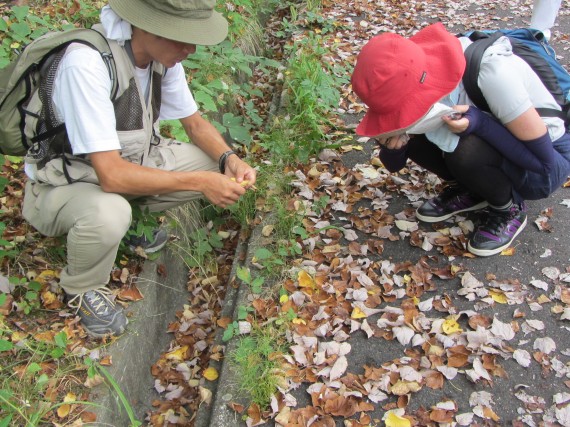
[(223, 158)]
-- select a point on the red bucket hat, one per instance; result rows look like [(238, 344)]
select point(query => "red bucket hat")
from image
[(400, 79)]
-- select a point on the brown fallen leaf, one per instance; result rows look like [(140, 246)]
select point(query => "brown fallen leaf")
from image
[(130, 293)]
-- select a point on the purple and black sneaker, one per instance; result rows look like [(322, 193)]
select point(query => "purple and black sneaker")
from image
[(451, 201), (498, 231)]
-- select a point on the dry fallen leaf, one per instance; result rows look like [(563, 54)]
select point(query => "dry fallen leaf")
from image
[(211, 374)]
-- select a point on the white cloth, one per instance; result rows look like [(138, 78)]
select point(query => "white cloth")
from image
[(115, 27), (544, 13)]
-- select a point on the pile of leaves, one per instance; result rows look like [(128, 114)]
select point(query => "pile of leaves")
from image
[(421, 326)]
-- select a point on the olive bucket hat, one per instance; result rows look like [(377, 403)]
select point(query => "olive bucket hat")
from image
[(187, 21)]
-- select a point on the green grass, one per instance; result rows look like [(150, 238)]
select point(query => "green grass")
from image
[(258, 363)]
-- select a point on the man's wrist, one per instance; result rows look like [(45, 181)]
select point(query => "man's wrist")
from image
[(223, 160)]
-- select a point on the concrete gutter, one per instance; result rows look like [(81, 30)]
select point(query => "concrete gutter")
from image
[(145, 340)]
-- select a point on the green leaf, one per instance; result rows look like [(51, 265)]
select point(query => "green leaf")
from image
[(256, 285), (20, 12), (6, 422), (61, 339), (206, 101), (243, 274), (35, 286), (262, 254), (21, 29), (31, 296), (3, 25), (56, 353), (15, 159), (33, 368), (5, 345), (240, 134), (242, 312), (300, 231), (229, 332), (42, 380), (3, 298)]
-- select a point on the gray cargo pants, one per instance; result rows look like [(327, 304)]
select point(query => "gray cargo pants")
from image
[(96, 221)]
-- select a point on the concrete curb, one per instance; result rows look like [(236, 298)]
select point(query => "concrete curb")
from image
[(140, 347)]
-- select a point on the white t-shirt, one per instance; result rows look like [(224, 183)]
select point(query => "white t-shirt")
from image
[(81, 98), (509, 86)]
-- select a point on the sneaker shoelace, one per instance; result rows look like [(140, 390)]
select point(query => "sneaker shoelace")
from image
[(99, 300), (497, 220)]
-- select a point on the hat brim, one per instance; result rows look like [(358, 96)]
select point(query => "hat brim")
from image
[(445, 69), (207, 32)]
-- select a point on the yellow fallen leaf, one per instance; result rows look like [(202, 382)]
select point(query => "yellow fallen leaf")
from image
[(49, 297), (70, 397), (357, 313), (509, 251), (63, 410), (394, 420), (178, 354), (498, 297), (283, 299), (46, 275), (211, 374), (489, 413), (298, 321), (450, 326), (455, 269), (305, 280)]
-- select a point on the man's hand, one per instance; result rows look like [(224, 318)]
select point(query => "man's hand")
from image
[(221, 190), (239, 170)]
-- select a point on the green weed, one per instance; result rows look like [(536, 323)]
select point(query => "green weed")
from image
[(257, 360)]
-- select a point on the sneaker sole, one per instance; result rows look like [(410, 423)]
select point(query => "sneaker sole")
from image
[(155, 248), (133, 249), (447, 216), (489, 252), (94, 334)]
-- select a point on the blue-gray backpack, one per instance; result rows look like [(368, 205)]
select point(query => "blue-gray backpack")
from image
[(534, 49), (26, 110)]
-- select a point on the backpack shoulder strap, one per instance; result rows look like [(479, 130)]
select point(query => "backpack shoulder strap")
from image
[(34, 55), (473, 55)]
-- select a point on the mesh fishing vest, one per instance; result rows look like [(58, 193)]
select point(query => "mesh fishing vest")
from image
[(136, 121)]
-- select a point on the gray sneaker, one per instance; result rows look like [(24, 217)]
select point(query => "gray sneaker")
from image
[(99, 314), (149, 246)]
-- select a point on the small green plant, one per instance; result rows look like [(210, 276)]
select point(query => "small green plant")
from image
[(256, 284), (34, 370), (216, 82), (95, 369), (21, 26), (26, 293), (233, 328), (144, 223), (257, 360)]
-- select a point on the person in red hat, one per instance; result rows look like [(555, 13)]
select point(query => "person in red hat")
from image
[(418, 109)]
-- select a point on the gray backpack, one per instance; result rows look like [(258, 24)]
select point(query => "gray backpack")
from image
[(26, 111)]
